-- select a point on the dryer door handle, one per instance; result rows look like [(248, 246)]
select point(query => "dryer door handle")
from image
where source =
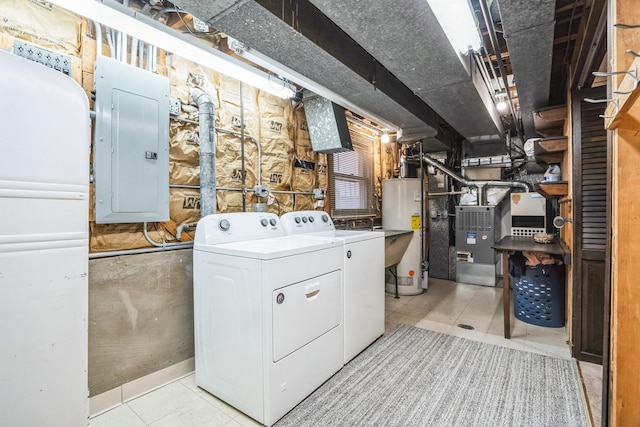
[(312, 290)]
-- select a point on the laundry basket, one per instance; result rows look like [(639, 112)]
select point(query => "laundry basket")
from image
[(539, 296)]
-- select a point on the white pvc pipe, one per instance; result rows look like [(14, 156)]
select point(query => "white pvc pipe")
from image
[(119, 45), (141, 55), (112, 51), (134, 51), (98, 28)]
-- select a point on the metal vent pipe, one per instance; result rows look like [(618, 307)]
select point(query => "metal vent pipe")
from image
[(207, 152), (479, 185)]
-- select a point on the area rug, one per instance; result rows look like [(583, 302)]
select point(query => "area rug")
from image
[(415, 377)]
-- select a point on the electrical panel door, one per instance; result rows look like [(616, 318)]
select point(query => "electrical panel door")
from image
[(131, 144)]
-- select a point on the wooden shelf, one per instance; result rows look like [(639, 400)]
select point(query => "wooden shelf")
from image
[(553, 190), (550, 150), (549, 121)]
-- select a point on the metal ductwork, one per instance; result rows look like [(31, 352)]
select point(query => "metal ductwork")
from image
[(479, 185), (259, 26), (528, 29), (207, 152), (407, 39)]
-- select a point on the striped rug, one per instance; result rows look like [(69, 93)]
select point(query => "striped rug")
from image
[(415, 377)]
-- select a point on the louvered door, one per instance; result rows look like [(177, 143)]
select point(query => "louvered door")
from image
[(591, 201)]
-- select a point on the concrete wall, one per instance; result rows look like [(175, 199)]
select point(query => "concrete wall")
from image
[(140, 316)]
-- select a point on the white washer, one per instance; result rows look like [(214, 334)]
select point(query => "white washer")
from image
[(268, 313), (363, 275)]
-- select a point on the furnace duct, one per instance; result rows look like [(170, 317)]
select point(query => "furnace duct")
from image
[(479, 185)]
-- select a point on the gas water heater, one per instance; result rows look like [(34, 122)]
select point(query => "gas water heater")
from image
[(402, 200)]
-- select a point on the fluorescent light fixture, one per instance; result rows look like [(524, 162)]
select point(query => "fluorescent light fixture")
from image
[(458, 23), (142, 27), (291, 75)]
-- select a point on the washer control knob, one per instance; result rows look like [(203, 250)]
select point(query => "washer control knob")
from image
[(297, 219), (304, 219), (325, 218), (311, 219), (280, 298), (273, 221), (348, 254), (224, 225), (264, 222)]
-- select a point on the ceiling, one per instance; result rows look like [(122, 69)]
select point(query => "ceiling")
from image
[(393, 60)]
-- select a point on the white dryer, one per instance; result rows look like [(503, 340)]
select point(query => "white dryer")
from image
[(268, 313), (363, 275)]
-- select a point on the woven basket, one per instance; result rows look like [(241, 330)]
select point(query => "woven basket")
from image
[(543, 238)]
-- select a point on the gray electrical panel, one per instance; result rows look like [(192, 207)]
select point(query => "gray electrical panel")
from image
[(131, 144), (477, 230)]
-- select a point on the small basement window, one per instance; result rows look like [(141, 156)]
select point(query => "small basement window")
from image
[(352, 177)]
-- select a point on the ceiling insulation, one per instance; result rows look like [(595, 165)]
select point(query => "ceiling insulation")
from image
[(261, 30), (529, 29), (407, 39)]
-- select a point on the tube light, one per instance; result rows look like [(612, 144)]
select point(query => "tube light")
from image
[(457, 21), (263, 60), (115, 15)]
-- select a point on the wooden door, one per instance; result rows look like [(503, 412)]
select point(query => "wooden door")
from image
[(591, 202)]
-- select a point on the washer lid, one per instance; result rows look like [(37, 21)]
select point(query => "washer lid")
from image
[(346, 236), (276, 247), (356, 236)]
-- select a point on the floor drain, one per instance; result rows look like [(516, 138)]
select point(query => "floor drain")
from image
[(463, 326)]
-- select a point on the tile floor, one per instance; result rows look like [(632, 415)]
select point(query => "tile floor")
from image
[(442, 308), (592, 379)]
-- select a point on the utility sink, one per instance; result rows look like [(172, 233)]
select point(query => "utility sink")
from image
[(395, 245)]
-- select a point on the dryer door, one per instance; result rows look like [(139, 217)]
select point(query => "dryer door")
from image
[(304, 311)]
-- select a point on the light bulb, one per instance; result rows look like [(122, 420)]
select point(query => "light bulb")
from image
[(385, 138), (501, 105)]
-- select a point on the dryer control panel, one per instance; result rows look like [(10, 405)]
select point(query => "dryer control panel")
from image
[(237, 227), (301, 222)]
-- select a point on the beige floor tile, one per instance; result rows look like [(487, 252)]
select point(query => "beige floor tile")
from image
[(390, 326), (121, 416), (468, 334), (435, 326), (479, 322), (592, 379), (190, 382), (561, 352), (161, 402), (413, 310), (447, 317), (427, 303), (246, 421), (197, 413), (392, 304), (407, 319), (500, 340), (451, 306)]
